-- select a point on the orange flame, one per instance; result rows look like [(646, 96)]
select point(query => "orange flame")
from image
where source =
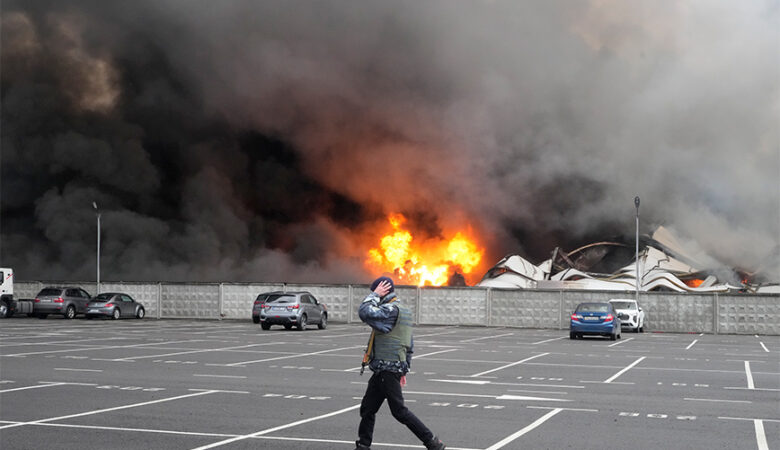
[(693, 283), (423, 263)]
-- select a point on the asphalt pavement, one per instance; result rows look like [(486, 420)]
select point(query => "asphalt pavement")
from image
[(185, 384)]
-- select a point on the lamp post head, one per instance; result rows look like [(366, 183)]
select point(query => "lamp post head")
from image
[(636, 202), (94, 205)]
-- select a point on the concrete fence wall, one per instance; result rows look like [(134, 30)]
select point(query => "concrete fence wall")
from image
[(664, 311)]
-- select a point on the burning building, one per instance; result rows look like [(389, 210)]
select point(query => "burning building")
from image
[(665, 264)]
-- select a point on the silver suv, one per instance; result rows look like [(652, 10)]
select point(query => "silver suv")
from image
[(290, 309), (67, 301)]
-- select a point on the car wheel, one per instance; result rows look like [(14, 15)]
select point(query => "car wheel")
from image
[(612, 337), (265, 326), (42, 316), (256, 319), (3, 310), (140, 313), (572, 335), (70, 312), (115, 314), (288, 326), (302, 323), (323, 322)]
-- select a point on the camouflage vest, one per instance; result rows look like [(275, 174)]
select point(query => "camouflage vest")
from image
[(392, 346)]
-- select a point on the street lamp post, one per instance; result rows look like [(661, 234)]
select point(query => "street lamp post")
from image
[(97, 211), (636, 203)]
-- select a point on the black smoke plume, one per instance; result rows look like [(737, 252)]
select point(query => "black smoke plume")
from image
[(264, 141)]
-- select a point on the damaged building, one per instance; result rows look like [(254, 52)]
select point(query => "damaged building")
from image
[(665, 264)]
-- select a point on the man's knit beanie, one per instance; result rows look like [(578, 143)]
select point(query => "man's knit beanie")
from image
[(376, 282)]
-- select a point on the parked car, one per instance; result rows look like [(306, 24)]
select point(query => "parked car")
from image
[(260, 301), (114, 305), (631, 315), (595, 319), (291, 309), (67, 301)]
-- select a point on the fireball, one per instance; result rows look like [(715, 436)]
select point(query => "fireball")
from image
[(428, 262)]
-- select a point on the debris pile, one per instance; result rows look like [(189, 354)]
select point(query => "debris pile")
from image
[(664, 265)]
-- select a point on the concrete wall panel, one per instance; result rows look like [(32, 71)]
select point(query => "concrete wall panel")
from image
[(453, 306), (525, 308), (26, 289), (749, 315), (196, 301)]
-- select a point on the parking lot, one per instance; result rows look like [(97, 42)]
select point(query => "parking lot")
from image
[(185, 384)]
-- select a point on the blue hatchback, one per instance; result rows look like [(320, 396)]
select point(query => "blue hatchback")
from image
[(595, 319)]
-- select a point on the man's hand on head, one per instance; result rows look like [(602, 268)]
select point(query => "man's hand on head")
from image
[(382, 289)]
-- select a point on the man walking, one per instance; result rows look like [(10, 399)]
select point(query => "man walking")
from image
[(389, 356)]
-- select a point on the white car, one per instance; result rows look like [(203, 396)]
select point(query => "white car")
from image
[(631, 315)]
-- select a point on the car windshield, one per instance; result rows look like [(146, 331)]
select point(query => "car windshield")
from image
[(624, 305), (102, 297), (50, 291), (593, 307), (280, 299)]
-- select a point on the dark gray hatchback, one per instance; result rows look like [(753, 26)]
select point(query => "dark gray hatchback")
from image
[(289, 309)]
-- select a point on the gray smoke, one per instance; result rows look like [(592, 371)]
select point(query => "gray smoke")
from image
[(264, 141)]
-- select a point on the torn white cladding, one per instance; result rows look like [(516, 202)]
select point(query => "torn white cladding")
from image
[(664, 265), (514, 271)]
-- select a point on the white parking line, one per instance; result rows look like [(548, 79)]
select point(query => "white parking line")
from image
[(716, 400), (435, 334), (77, 370), (486, 337), (37, 386), (618, 343), (525, 430), (508, 365), (691, 345), (133, 358), (98, 411), (435, 353), (106, 347), (223, 435), (760, 435), (292, 356), (613, 377), (753, 389), (547, 340), (764, 347), (749, 419), (484, 382), (281, 427), (18, 344), (217, 376), (749, 376)]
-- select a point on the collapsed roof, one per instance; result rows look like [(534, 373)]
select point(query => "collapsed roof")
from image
[(665, 264)]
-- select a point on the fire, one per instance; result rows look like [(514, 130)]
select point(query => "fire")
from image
[(429, 262), (694, 283)]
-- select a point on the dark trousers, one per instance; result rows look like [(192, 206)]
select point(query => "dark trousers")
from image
[(381, 386)]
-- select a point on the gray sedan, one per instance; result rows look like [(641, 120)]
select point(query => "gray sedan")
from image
[(114, 305)]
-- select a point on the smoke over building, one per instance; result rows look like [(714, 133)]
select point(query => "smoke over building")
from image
[(271, 141)]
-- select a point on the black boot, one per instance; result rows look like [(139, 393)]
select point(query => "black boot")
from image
[(359, 446), (435, 444)]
